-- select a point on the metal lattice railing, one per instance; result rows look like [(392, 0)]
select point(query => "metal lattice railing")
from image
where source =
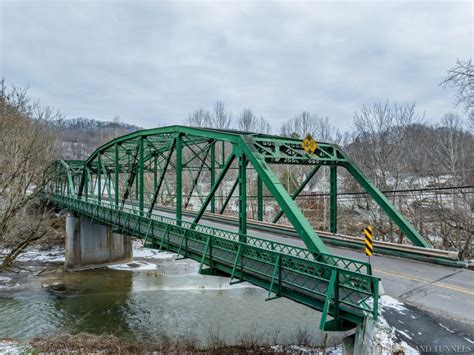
[(341, 287)]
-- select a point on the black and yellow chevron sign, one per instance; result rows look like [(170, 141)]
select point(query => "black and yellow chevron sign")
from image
[(369, 247)]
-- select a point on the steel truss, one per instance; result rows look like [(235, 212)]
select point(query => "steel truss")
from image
[(128, 177)]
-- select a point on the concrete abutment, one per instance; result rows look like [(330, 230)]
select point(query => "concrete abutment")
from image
[(91, 245)]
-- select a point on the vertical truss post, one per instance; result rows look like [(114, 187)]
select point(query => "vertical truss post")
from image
[(259, 199), (116, 176), (231, 192), (68, 188), (99, 181), (196, 181), (213, 189), (276, 271), (86, 183), (213, 175), (131, 177), (158, 185), (242, 197), (155, 172), (375, 310), (179, 179), (229, 196), (298, 190), (141, 173), (333, 202), (109, 187), (107, 180), (137, 178), (327, 301)]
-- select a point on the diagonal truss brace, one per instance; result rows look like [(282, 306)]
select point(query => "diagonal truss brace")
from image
[(298, 190)]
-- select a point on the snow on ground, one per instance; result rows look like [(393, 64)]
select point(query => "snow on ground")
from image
[(385, 335), (6, 282), (13, 347), (301, 349), (53, 255)]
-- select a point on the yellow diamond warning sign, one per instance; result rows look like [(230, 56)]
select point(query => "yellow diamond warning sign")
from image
[(309, 144)]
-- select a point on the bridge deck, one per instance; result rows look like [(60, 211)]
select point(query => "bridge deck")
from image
[(340, 287)]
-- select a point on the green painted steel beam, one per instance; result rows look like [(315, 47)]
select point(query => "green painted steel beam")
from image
[(214, 188), (157, 186), (333, 198), (99, 182), (116, 175), (260, 206), (302, 280), (118, 156), (231, 192), (292, 212), (195, 179), (179, 179), (242, 196), (212, 171), (141, 173), (406, 227), (300, 188)]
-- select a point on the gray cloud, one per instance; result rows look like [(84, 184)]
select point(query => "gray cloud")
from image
[(154, 62)]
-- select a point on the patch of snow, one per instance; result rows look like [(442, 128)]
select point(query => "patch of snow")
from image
[(385, 335), (147, 253), (13, 347), (5, 283), (133, 266), (407, 349), (54, 255), (4, 279), (404, 334), (300, 349), (469, 340), (389, 302), (206, 288), (445, 327)]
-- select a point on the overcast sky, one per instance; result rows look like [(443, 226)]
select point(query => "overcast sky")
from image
[(154, 62)]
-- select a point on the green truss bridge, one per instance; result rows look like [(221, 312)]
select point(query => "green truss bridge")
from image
[(170, 186)]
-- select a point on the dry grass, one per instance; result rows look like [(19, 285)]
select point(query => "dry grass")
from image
[(85, 343)]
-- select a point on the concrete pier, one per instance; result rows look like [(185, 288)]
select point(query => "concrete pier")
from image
[(91, 245)]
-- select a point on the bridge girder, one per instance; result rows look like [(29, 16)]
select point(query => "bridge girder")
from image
[(136, 160)]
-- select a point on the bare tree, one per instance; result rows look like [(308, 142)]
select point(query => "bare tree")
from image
[(319, 127), (199, 118), (380, 130), (461, 78), (249, 122), (28, 147), (220, 119)]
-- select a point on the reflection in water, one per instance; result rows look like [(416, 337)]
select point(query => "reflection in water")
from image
[(93, 301), (173, 301)]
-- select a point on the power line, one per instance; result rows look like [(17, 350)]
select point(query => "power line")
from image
[(355, 193)]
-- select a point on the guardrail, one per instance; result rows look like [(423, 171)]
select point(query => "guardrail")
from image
[(340, 287), (434, 256)]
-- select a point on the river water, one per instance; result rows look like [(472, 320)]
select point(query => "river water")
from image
[(172, 300)]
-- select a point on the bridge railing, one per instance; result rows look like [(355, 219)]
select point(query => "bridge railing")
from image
[(340, 261), (284, 270)]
